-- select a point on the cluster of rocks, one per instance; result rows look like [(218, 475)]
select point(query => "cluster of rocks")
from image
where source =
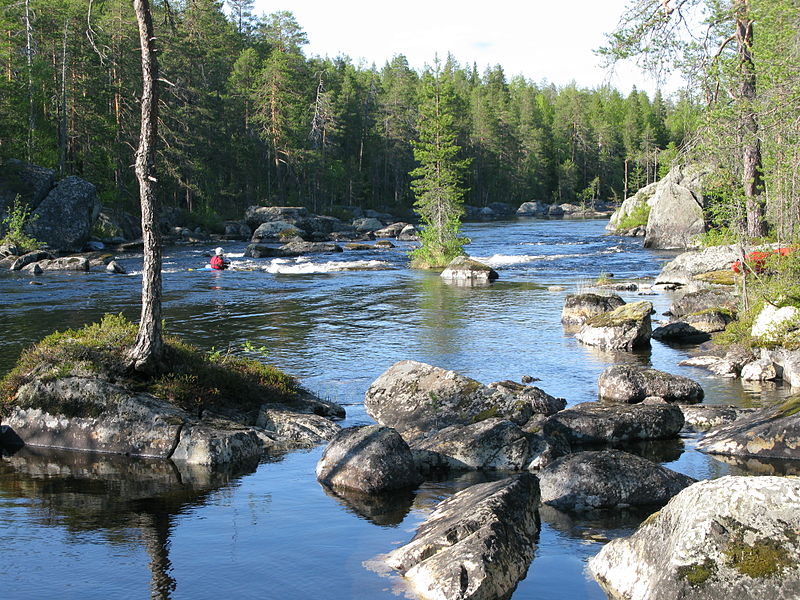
[(607, 322), (675, 209), (542, 210), (39, 261), (81, 411), (431, 420)]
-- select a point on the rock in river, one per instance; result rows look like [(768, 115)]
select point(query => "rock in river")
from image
[(594, 422), (465, 270), (369, 459), (733, 538), (476, 545), (628, 383), (415, 399), (579, 308), (624, 328), (608, 478)]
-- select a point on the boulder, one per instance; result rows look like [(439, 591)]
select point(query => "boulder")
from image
[(262, 251), (367, 224), (30, 258), (702, 417), (116, 226), (296, 429), (463, 269), (489, 444), (681, 333), (629, 206), (555, 211), (711, 320), (390, 231), (597, 423), (773, 322), (532, 209), (321, 227), (66, 263), (476, 545), (369, 459), (676, 213), (115, 267), (788, 363), (682, 269), (629, 383), (693, 303), (733, 538), (607, 478), (541, 402), (274, 231), (415, 399), (771, 432), (761, 370), (579, 308), (301, 248), (256, 215), (64, 219), (409, 233), (624, 328)]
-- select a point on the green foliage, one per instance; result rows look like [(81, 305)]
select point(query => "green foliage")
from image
[(195, 381), (636, 218), (718, 236), (604, 279), (762, 558), (698, 573), (18, 217)]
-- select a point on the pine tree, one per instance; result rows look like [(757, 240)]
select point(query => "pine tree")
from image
[(439, 195)]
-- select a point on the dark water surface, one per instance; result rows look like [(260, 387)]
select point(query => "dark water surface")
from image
[(86, 526)]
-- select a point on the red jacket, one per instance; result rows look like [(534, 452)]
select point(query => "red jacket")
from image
[(219, 263)]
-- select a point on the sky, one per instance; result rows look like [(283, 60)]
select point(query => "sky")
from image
[(550, 40)]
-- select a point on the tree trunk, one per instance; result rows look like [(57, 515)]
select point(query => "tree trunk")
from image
[(751, 145), (146, 354)]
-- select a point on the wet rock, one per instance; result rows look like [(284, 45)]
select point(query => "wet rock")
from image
[(262, 251), (628, 383), (607, 478), (409, 233), (491, 444), (703, 417), (66, 263), (680, 332), (730, 538), (369, 459), (578, 308), (476, 545), (415, 399), (772, 432), (30, 258), (390, 231), (594, 422), (463, 269), (115, 267), (299, 430), (216, 446), (541, 402), (300, 248), (624, 328), (274, 231)]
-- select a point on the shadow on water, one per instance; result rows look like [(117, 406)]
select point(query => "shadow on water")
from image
[(385, 510), (132, 501)]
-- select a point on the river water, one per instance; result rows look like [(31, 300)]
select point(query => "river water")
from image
[(85, 526)]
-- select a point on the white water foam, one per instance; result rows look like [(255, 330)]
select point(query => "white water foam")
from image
[(504, 260), (302, 266)]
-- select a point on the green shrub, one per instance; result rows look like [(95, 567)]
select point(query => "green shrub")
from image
[(719, 236), (636, 218), (18, 217)]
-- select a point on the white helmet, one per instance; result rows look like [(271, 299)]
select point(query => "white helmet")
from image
[(218, 251)]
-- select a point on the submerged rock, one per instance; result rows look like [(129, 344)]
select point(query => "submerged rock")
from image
[(415, 399), (624, 328), (579, 308), (772, 432), (726, 539), (368, 459), (594, 422), (476, 545), (608, 478), (630, 384)]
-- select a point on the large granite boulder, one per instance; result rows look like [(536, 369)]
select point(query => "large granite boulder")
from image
[(494, 444), (465, 270), (733, 538), (64, 219), (369, 459), (301, 248), (676, 213), (687, 266), (598, 423), (476, 545), (607, 478), (629, 383), (415, 399), (256, 215), (693, 303), (680, 332), (116, 226), (579, 308), (772, 432), (532, 209), (631, 205), (624, 328), (274, 231)]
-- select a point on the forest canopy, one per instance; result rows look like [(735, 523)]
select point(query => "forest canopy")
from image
[(247, 117)]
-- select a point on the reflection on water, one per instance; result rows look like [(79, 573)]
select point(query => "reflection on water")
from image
[(98, 527)]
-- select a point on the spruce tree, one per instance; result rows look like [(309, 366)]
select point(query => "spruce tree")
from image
[(437, 185)]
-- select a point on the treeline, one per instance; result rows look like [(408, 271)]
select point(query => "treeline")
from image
[(246, 117)]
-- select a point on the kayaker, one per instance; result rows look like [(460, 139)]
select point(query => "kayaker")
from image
[(218, 261)]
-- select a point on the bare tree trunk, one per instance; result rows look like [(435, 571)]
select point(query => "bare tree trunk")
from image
[(63, 128), (751, 145), (29, 58), (146, 354)]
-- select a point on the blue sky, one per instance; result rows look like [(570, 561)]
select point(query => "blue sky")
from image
[(549, 40)]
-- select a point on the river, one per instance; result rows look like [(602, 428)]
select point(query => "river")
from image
[(83, 526)]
